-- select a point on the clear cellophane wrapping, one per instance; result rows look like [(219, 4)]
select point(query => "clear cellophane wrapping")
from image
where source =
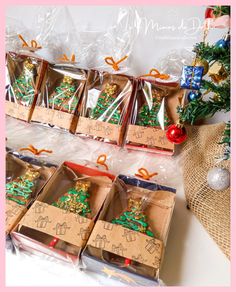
[(153, 110), (55, 224), (132, 204), (105, 106), (17, 165), (59, 98)]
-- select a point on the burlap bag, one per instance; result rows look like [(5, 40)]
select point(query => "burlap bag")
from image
[(212, 208)]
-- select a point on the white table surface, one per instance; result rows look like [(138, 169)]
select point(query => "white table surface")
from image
[(192, 258)]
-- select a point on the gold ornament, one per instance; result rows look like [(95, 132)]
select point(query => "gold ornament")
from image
[(67, 79), (110, 89), (82, 185), (31, 174), (136, 204), (28, 65), (202, 63), (217, 72)]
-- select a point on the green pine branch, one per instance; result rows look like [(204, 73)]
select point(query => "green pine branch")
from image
[(221, 10), (201, 109), (212, 53), (220, 100)]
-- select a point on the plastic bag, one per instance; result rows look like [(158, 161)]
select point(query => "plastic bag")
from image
[(61, 219), (64, 80), (25, 67), (138, 213), (151, 114), (25, 177), (62, 146), (174, 61), (14, 27), (59, 98), (117, 43), (38, 38), (105, 106), (24, 79)]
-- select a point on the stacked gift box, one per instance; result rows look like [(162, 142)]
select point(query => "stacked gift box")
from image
[(92, 219), (79, 214), (114, 108)]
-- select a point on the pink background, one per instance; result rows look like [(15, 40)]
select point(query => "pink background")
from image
[(2, 83)]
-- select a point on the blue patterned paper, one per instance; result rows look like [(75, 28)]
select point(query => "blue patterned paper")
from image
[(191, 77)]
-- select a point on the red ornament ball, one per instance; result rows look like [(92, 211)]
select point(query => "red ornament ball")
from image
[(176, 134), (209, 13)]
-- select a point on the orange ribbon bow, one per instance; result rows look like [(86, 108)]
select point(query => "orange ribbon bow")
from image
[(110, 61), (64, 58), (156, 74), (102, 160), (33, 43), (34, 150), (143, 173)]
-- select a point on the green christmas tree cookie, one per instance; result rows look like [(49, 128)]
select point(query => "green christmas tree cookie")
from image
[(134, 218), (148, 115), (23, 87), (76, 199), (107, 108), (64, 97), (20, 190)]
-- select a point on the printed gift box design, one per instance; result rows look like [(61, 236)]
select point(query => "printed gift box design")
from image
[(131, 237), (62, 218), (24, 182)]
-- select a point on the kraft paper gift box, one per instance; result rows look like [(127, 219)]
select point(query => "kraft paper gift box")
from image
[(46, 223), (24, 76), (111, 245), (153, 109), (105, 106), (57, 104), (17, 165)]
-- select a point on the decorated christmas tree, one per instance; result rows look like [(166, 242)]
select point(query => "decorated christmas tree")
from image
[(207, 86), (107, 108), (150, 115), (134, 218), (20, 190), (213, 93), (64, 98), (76, 199), (23, 87)]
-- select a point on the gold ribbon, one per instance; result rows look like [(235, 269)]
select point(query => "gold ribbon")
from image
[(33, 43), (156, 74), (102, 160), (110, 61), (34, 150), (143, 173), (65, 58)]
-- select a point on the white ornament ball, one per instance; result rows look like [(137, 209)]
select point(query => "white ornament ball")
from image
[(218, 179)]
